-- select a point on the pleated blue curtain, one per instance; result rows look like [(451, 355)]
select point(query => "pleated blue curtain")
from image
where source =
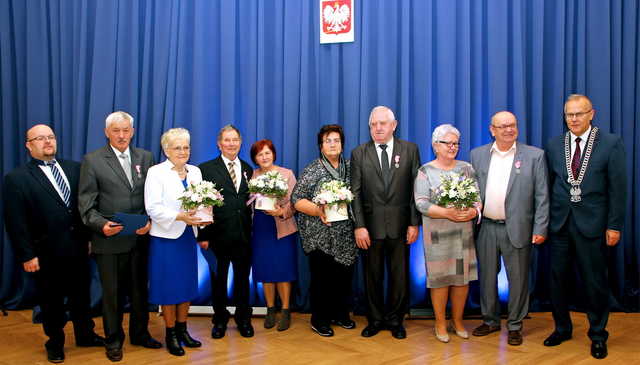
[(202, 64)]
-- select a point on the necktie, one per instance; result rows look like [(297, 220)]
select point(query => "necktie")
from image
[(575, 162), (126, 166), (232, 173), (62, 185), (384, 157)]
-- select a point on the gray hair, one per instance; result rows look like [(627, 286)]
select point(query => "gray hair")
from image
[(382, 108), (118, 117), (227, 128), (173, 134), (577, 97), (441, 131)]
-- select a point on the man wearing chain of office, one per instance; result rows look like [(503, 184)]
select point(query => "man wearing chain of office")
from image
[(588, 194)]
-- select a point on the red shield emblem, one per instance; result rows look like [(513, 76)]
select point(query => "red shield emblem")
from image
[(336, 16)]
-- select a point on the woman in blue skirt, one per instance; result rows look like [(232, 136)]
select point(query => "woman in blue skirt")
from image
[(173, 266), (274, 239)]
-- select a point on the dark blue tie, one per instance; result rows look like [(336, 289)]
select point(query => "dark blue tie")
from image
[(62, 185)]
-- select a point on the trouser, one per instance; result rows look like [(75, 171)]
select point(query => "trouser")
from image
[(330, 288)]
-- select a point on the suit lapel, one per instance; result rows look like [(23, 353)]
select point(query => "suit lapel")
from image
[(112, 160), (224, 171), (484, 162), (514, 175), (136, 160), (372, 155), (43, 180), (397, 151)]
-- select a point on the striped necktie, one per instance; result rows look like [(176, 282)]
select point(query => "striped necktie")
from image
[(232, 173), (62, 185)]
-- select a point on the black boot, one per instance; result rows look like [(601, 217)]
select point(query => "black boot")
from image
[(270, 318), (173, 345), (184, 337)]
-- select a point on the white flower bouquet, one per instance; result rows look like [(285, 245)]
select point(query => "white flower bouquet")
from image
[(455, 191), (201, 197), (334, 195), (267, 188)]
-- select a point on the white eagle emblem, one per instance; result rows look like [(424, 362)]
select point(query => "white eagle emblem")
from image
[(335, 17)]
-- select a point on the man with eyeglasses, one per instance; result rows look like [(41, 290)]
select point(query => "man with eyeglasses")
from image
[(383, 172), (229, 236), (512, 177), (112, 181), (588, 196), (50, 241)]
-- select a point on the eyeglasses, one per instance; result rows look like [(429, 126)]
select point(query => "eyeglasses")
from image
[(577, 115), (450, 144), (181, 148), (42, 138), (501, 127), (330, 141)]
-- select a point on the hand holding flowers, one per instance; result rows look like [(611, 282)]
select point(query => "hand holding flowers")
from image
[(267, 188), (334, 196), (458, 193), (198, 199)]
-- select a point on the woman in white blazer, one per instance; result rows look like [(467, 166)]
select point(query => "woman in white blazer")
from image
[(173, 275)]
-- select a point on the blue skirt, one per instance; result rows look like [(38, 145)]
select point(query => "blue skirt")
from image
[(173, 269), (274, 260)]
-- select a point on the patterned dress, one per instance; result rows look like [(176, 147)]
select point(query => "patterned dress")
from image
[(449, 251)]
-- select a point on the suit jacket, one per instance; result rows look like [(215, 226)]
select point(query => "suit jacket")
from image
[(161, 191), (38, 222), (527, 199), (604, 189), (286, 225), (385, 212), (104, 190), (230, 233)]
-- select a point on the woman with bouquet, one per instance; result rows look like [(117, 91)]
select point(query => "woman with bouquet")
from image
[(446, 193), (273, 238), (173, 276), (330, 246)]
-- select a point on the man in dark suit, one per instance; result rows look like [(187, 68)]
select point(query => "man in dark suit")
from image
[(111, 181), (588, 196), (229, 235), (383, 172), (49, 239), (515, 197)]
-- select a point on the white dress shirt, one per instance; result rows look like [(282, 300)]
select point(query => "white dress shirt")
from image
[(237, 168), (498, 181), (161, 191), (49, 174), (389, 151), (583, 143)]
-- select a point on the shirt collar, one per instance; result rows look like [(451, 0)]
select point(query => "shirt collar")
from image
[(118, 153), (494, 148), (389, 145), (45, 163), (583, 137), (226, 160)]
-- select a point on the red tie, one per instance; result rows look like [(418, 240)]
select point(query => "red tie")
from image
[(575, 163)]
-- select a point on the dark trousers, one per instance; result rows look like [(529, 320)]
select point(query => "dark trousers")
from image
[(61, 277), (124, 275), (330, 288), (241, 271), (394, 254), (568, 245)]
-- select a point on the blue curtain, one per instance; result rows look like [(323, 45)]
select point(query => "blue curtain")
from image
[(201, 64)]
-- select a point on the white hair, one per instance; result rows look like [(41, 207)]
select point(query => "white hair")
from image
[(441, 131), (173, 134), (382, 108), (118, 117)]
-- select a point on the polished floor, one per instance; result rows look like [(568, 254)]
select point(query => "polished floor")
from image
[(22, 343)]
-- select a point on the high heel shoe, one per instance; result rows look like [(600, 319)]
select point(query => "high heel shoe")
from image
[(460, 333), (442, 338)]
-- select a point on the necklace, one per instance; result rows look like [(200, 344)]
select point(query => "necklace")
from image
[(575, 190)]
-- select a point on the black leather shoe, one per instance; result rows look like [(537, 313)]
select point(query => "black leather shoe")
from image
[(324, 331), (184, 337), (218, 331), (555, 339), (149, 342), (515, 338), (485, 329), (55, 354), (399, 332), (114, 354), (92, 340), (173, 345), (245, 329), (344, 323), (370, 330), (599, 349)]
